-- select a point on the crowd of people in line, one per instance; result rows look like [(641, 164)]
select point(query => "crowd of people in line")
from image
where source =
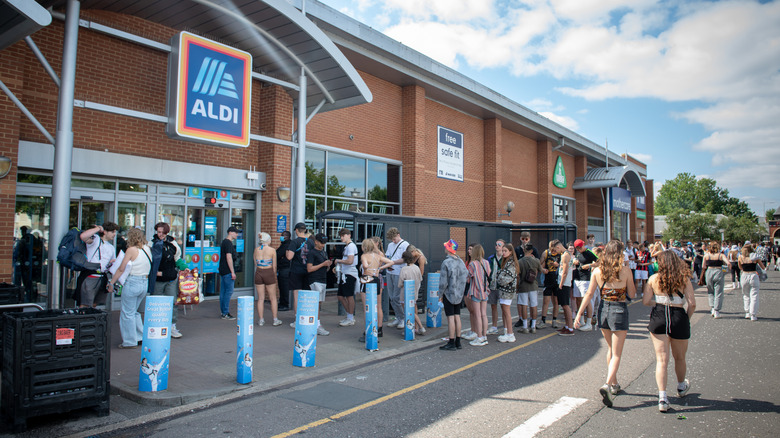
[(590, 284)]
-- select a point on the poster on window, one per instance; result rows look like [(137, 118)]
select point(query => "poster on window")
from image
[(450, 146)]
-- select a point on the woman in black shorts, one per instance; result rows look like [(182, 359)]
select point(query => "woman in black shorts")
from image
[(670, 327), (616, 283)]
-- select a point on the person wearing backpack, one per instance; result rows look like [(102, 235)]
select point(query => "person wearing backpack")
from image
[(527, 295), (91, 284), (131, 325), (166, 281)]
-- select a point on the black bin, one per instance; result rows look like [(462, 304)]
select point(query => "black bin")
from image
[(54, 361), (11, 293)]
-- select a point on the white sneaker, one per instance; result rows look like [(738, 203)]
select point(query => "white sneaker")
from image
[(509, 337), (586, 328), (175, 334), (747, 316), (392, 323), (420, 331), (478, 342), (470, 336), (663, 405), (492, 330), (683, 392), (401, 325), (346, 321), (292, 324), (716, 314), (261, 322), (465, 332), (322, 332), (753, 318), (277, 322)]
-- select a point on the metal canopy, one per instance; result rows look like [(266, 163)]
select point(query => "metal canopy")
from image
[(603, 177), (21, 18), (280, 38)]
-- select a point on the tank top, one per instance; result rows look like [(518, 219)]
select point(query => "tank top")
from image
[(748, 267), (613, 293), (567, 281), (141, 265), (710, 263), (667, 300)]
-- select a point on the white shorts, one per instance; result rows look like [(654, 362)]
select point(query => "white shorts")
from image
[(528, 298), (580, 288), (319, 287), (505, 302), (640, 275)]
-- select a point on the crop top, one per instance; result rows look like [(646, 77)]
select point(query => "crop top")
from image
[(748, 267), (264, 263), (613, 293), (713, 263), (667, 300)]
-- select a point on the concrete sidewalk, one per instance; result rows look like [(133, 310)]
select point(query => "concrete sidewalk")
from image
[(202, 364)]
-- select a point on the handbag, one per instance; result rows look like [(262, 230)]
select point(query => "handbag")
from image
[(762, 276)]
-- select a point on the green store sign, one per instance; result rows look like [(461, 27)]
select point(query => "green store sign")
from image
[(641, 215), (559, 175)]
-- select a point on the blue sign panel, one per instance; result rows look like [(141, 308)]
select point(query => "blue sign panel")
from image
[(619, 200), (433, 305), (209, 92), (305, 345), (156, 344), (640, 203), (409, 299), (244, 336), (211, 259), (372, 336), (281, 223)]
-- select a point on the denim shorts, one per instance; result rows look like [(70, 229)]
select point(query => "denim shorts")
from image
[(613, 315)]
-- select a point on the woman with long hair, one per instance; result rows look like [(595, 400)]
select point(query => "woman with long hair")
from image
[(734, 262), (134, 290), (670, 326), (749, 282), (372, 262), (479, 272), (507, 288), (265, 278), (615, 283), (470, 334), (712, 272)]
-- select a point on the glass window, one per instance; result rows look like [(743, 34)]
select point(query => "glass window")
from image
[(173, 215), (131, 214), (346, 176), (563, 210), (315, 172), (242, 196), (92, 184), (170, 190), (383, 181), (33, 179), (244, 220), (31, 235), (133, 187)]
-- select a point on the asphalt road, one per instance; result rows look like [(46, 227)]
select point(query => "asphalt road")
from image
[(494, 390)]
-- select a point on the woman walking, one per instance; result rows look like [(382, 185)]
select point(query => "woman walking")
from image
[(479, 272), (134, 290), (750, 282), (734, 262), (670, 327), (615, 283), (712, 272), (507, 288), (265, 278)]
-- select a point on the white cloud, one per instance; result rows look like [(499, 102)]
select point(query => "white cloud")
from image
[(565, 121), (757, 175), (645, 158)]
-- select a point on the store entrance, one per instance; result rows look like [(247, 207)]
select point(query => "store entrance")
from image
[(205, 231)]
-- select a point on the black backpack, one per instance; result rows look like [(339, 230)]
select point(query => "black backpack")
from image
[(72, 252)]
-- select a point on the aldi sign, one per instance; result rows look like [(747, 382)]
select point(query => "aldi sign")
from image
[(209, 92)]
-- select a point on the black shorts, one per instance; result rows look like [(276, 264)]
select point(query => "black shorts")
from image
[(297, 281), (678, 327), (451, 309), (563, 294), (347, 288), (550, 290)]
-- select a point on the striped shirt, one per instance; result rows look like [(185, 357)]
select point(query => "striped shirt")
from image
[(477, 270)]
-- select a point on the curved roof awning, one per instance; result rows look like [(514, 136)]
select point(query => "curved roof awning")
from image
[(280, 38), (602, 177)]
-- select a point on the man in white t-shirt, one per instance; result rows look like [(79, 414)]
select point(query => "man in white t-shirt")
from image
[(395, 249), (100, 249), (347, 276)]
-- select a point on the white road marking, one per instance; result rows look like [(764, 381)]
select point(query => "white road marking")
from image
[(546, 417)]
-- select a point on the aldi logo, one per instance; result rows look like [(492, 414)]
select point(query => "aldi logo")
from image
[(209, 92)]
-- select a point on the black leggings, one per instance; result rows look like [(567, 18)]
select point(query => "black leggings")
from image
[(734, 272)]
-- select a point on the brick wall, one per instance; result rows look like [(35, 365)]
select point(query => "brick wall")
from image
[(519, 176)]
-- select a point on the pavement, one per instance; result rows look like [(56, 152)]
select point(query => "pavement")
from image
[(202, 363)]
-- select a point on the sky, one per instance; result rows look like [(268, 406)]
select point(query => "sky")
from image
[(685, 86)]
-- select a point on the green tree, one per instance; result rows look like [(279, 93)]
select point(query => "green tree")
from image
[(315, 182), (687, 193), (377, 193), (740, 229), (770, 214), (685, 226)]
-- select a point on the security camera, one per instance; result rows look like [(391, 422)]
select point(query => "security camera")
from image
[(262, 186)]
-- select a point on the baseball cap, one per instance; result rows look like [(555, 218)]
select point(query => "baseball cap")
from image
[(300, 226), (578, 243), (676, 244), (734, 248), (451, 246)]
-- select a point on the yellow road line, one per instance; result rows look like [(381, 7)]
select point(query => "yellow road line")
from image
[(406, 390)]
